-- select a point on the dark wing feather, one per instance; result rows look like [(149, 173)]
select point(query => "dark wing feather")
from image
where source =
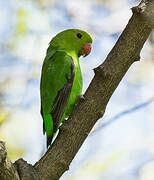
[(62, 100), (41, 111), (57, 78)]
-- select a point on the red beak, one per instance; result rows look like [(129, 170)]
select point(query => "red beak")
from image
[(85, 50)]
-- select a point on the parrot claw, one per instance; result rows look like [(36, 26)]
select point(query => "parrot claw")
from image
[(64, 121), (79, 98)]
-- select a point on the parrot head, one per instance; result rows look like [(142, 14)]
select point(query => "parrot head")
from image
[(73, 40)]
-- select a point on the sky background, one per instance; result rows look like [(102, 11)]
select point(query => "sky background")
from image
[(122, 150)]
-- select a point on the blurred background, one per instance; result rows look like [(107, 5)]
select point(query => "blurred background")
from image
[(121, 145)]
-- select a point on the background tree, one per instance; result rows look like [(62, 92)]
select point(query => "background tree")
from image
[(107, 77)]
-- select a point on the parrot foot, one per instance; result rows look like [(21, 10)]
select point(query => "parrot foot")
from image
[(79, 98), (103, 71), (65, 120)]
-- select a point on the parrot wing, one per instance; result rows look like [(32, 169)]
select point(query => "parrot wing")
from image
[(58, 73)]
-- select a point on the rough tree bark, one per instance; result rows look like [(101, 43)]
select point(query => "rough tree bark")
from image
[(74, 131)]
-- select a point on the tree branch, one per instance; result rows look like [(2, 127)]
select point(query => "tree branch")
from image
[(74, 131), (7, 169)]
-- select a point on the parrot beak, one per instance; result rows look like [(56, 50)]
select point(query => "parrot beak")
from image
[(85, 50)]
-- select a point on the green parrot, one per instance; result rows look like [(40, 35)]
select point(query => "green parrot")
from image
[(61, 78)]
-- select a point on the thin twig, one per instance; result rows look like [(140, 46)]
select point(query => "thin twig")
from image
[(123, 113)]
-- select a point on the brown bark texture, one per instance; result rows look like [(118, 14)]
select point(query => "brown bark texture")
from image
[(74, 131)]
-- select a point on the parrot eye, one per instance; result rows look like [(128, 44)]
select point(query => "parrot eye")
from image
[(79, 35)]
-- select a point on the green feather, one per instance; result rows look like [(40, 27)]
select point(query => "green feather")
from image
[(61, 79)]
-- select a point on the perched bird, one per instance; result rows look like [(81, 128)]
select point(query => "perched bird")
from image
[(61, 78)]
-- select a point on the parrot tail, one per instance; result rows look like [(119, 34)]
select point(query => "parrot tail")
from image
[(49, 140)]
